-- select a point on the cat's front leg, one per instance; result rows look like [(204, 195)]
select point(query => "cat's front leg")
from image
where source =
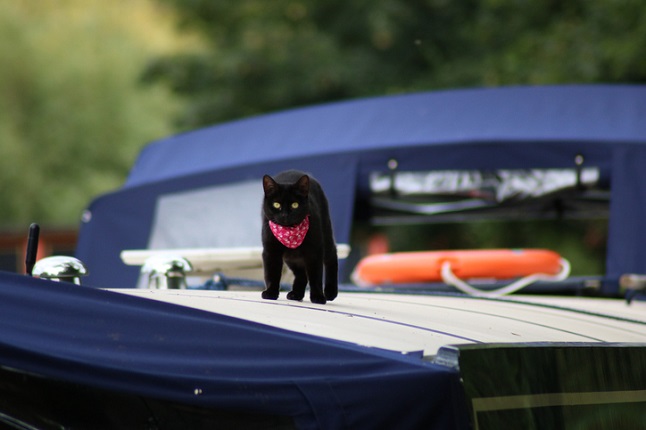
[(331, 278), (315, 276), (300, 281), (273, 267)]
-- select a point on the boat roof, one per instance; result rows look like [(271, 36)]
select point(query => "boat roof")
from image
[(413, 323)]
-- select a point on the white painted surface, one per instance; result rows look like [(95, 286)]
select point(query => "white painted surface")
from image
[(422, 322), (210, 260)]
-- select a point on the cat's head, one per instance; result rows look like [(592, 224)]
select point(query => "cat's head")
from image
[(286, 204)]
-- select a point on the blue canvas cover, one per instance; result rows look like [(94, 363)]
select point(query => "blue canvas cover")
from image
[(130, 345), (343, 143)]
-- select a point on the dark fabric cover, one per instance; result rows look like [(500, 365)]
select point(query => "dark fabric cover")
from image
[(152, 349), (342, 143)]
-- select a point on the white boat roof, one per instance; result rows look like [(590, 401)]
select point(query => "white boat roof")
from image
[(410, 323)]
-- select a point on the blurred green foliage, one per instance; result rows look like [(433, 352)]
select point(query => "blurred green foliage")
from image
[(264, 56), (72, 113)]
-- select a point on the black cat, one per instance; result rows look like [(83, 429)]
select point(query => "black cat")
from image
[(297, 229)]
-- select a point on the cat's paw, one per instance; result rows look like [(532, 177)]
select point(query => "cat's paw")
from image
[(330, 295), (318, 299), (269, 295), (294, 296), (331, 291)]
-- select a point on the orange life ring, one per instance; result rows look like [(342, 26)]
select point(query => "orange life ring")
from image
[(426, 266)]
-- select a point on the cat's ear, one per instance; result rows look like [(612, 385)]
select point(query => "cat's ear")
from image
[(268, 184), (303, 185)]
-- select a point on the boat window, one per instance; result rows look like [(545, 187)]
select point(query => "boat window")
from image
[(218, 216), (565, 210), (457, 195)]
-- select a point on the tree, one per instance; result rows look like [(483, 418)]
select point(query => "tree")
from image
[(72, 113), (265, 56)]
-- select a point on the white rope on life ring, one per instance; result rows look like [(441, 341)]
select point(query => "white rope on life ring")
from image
[(449, 278)]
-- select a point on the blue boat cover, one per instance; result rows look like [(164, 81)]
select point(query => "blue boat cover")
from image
[(342, 144), (157, 350)]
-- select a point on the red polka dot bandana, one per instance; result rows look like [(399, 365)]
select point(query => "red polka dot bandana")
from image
[(291, 236)]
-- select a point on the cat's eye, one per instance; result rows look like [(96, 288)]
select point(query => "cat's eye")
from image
[(276, 205), (294, 205)]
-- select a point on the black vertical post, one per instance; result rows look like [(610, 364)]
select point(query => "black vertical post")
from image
[(32, 248)]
